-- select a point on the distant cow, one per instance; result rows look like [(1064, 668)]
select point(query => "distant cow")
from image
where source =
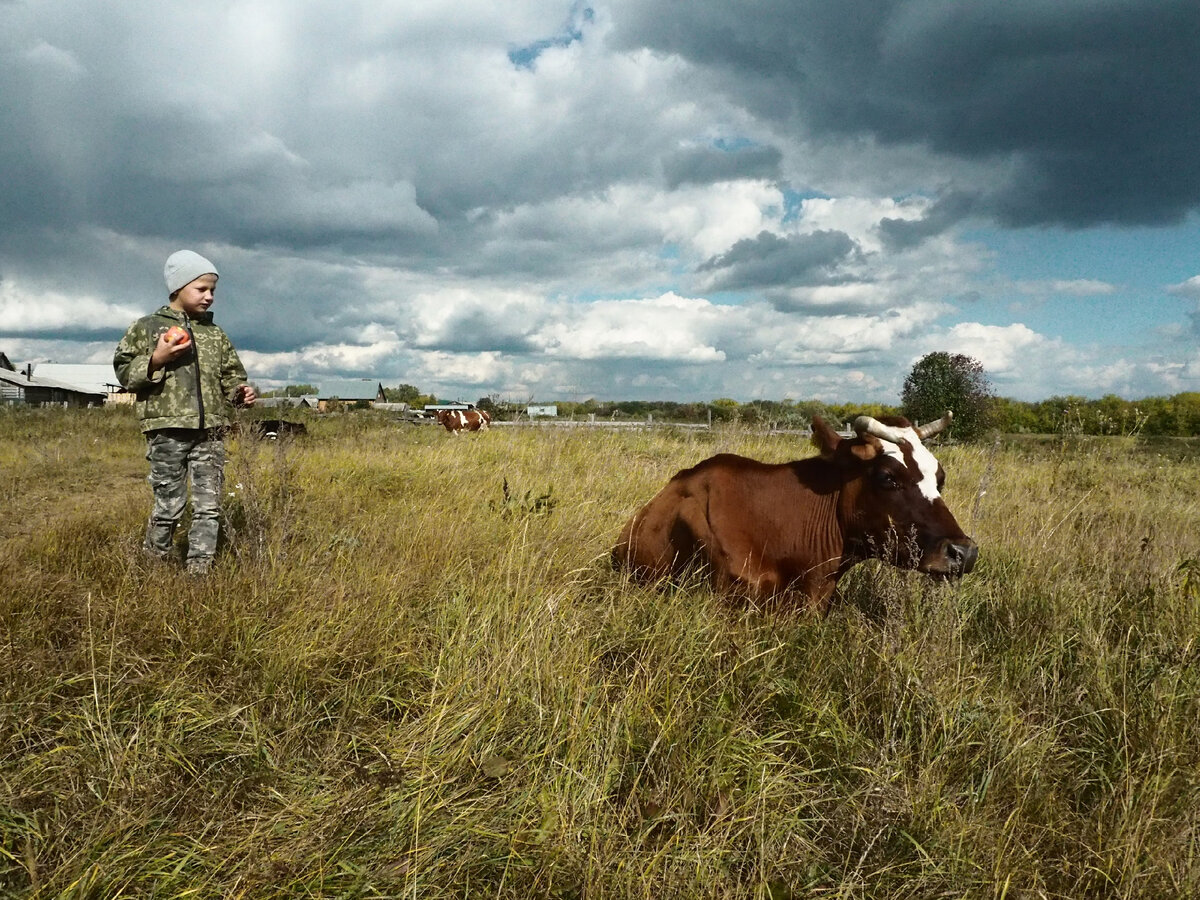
[(794, 529), (456, 420), (272, 429)]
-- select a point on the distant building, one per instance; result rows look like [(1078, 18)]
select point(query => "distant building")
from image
[(305, 401), (89, 378), (18, 387), (456, 404), (547, 411), (349, 391)]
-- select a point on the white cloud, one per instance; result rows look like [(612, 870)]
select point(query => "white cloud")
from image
[(25, 310), (361, 206), (1189, 288), (482, 371), (323, 359), (1078, 287), (1001, 349), (669, 327), (703, 219), (54, 59), (858, 217)]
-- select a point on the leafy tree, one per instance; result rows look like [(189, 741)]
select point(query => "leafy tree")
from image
[(725, 409), (403, 393), (848, 412), (1016, 417), (940, 381)]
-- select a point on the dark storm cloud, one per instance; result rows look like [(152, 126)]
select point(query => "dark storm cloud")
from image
[(771, 261), (80, 332), (148, 178), (705, 165), (1092, 108), (945, 213), (475, 330)]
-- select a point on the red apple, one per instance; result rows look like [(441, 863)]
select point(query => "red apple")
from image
[(177, 335)]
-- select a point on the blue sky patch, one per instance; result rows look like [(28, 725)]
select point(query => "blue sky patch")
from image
[(525, 57)]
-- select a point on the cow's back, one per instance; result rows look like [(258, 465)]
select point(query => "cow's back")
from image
[(758, 526)]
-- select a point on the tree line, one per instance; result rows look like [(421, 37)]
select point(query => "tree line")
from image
[(1177, 415), (937, 382)]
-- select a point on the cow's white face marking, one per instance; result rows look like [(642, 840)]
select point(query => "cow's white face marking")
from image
[(926, 464)]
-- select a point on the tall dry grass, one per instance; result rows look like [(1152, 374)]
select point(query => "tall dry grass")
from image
[(413, 674)]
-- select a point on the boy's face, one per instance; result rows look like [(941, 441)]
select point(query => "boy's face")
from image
[(195, 297)]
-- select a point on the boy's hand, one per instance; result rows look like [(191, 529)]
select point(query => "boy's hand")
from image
[(245, 395), (169, 348)]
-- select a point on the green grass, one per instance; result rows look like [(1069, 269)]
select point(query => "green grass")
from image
[(404, 682)]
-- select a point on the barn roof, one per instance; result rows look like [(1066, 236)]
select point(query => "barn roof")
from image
[(350, 389), (86, 378), (450, 404), (17, 380), (309, 400)]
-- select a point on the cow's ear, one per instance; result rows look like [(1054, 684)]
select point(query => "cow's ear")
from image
[(868, 448), (824, 438)]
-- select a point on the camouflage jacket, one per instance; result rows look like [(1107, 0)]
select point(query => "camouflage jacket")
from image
[(195, 391)]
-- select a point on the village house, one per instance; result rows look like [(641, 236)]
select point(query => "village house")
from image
[(349, 392), (24, 388), (91, 378), (436, 408), (305, 401)]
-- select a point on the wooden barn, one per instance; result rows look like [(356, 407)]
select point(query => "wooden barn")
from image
[(305, 401), (349, 392), (91, 378), (20, 388)]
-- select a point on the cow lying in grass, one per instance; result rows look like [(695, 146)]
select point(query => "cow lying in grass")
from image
[(793, 529)]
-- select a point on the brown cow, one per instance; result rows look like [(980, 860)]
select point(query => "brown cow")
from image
[(456, 420), (795, 528)]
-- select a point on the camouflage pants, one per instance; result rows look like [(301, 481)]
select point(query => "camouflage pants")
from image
[(176, 456)]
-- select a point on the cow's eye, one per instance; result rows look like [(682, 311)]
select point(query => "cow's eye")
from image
[(886, 480)]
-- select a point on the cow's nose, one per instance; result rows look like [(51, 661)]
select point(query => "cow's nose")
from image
[(961, 557)]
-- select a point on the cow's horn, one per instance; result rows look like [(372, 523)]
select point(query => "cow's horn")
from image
[(929, 429), (870, 425)]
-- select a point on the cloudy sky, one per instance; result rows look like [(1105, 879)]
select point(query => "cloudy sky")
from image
[(677, 199)]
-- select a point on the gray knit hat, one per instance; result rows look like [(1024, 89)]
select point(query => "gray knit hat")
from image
[(184, 267)]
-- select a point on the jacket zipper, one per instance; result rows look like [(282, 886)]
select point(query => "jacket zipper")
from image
[(187, 325)]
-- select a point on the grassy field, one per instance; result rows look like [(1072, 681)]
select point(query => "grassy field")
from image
[(402, 681)]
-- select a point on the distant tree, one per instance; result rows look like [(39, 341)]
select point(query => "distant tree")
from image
[(848, 412), (1064, 414), (404, 393), (940, 381), (1187, 412), (1016, 417), (725, 409)]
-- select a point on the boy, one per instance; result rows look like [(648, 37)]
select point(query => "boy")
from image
[(187, 378)]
